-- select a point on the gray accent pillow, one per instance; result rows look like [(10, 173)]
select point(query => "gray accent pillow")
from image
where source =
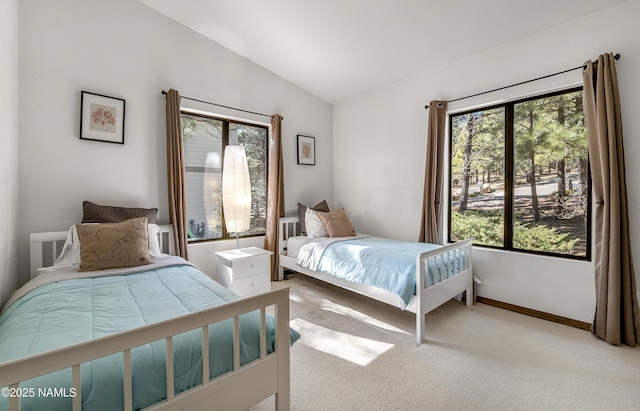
[(95, 213), (302, 210)]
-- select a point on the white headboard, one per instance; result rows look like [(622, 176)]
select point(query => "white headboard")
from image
[(46, 247), (288, 228)]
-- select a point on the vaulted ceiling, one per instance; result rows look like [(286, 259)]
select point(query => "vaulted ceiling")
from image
[(336, 49)]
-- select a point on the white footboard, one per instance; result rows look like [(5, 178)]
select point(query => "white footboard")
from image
[(235, 390), (442, 274)]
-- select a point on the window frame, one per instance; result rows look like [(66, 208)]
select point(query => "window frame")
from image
[(226, 120), (509, 155)]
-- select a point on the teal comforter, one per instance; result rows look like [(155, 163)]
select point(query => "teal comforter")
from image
[(75, 310)]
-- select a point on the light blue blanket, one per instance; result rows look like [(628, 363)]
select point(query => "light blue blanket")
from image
[(76, 310), (379, 262)]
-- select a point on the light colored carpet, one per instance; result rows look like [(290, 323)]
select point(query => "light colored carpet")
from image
[(358, 354)]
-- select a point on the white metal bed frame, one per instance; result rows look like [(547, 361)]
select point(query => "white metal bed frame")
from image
[(238, 389), (453, 275)]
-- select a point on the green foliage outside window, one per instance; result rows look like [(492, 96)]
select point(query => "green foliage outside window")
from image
[(527, 157), (487, 229)]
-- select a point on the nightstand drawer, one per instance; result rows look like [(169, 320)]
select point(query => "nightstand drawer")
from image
[(254, 284), (246, 267)]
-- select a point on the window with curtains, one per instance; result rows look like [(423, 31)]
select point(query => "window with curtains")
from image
[(520, 178), (204, 140)]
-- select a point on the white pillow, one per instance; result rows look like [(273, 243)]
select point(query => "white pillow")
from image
[(154, 243), (70, 255), (313, 225)]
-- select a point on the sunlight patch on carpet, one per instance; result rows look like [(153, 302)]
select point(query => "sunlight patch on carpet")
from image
[(324, 304), (358, 350)]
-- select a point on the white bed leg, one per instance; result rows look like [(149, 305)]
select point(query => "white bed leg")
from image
[(469, 295), (283, 396), (419, 328)]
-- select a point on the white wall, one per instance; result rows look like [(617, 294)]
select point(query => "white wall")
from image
[(124, 49), (380, 143), (9, 151)]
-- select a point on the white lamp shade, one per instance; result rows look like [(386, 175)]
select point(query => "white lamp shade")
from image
[(236, 190)]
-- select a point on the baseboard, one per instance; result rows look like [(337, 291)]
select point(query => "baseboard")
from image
[(535, 313)]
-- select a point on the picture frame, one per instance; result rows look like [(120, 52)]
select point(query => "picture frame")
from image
[(101, 118), (306, 150)]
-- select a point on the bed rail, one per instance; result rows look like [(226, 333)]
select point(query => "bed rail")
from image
[(227, 395)]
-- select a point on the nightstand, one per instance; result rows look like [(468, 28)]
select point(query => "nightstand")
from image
[(245, 271)]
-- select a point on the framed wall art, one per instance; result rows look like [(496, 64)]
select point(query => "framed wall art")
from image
[(101, 118), (306, 150)]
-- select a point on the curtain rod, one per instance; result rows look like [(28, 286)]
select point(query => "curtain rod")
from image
[(220, 105), (584, 66)]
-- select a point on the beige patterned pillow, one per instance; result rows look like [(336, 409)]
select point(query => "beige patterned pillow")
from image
[(302, 210), (337, 223), (114, 245)]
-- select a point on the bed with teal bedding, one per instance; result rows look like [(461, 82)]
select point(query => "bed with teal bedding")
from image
[(416, 277), (60, 309), (379, 262)]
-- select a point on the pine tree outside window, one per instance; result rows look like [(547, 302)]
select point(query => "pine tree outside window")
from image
[(519, 176)]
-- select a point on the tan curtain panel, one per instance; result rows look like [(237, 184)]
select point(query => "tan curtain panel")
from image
[(617, 317), (433, 175), (175, 174), (275, 194)]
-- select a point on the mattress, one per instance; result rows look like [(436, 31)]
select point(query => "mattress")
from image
[(294, 244), (65, 308)]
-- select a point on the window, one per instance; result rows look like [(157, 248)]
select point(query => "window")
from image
[(519, 176), (204, 139)]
